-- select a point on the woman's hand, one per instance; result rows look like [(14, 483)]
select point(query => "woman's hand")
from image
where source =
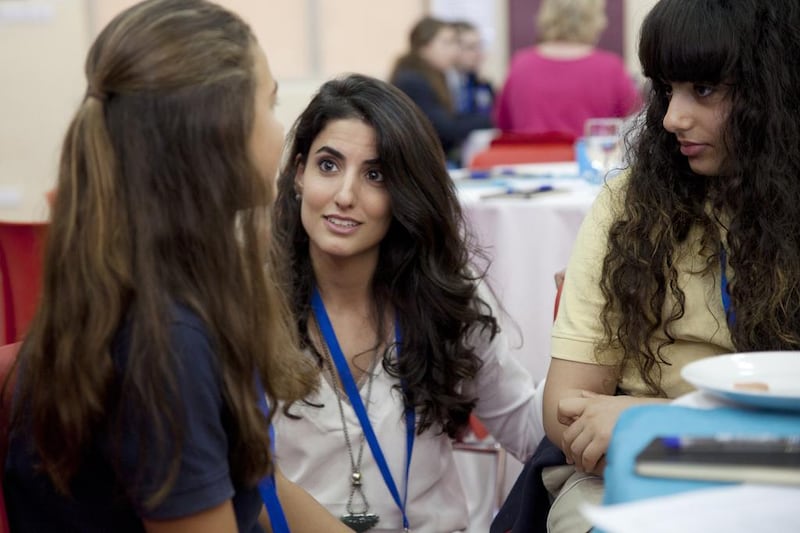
[(304, 513), (591, 418)]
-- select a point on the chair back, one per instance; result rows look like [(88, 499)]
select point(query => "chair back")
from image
[(559, 289), (512, 148), (8, 354), (21, 248)]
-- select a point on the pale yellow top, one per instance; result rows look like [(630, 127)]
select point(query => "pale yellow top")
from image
[(701, 332)]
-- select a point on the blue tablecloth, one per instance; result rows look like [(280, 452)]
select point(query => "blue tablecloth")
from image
[(638, 425)]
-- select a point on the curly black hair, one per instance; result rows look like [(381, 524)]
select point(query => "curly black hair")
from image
[(752, 48)]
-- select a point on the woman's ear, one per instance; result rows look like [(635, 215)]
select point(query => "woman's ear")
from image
[(298, 179)]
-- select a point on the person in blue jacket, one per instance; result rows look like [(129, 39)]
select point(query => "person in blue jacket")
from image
[(471, 92)]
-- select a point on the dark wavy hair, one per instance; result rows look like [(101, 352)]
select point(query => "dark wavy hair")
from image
[(752, 47), (158, 202), (424, 273), (423, 32)]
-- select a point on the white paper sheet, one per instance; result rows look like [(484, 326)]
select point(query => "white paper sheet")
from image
[(735, 509)]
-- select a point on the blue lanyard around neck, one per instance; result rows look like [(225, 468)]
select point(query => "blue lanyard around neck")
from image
[(266, 487), (321, 315), (730, 315)]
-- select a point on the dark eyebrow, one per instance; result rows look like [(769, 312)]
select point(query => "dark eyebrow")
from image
[(336, 153), (275, 89)]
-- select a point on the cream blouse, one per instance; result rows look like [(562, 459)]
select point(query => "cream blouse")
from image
[(311, 451)]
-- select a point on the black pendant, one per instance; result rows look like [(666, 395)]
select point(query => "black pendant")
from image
[(360, 522)]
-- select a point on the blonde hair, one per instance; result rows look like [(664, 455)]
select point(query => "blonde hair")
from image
[(576, 21)]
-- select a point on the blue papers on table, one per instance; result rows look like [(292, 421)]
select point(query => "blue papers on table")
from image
[(563, 170), (499, 188), (519, 181), (504, 188)]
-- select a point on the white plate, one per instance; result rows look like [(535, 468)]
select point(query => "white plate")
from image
[(780, 371)]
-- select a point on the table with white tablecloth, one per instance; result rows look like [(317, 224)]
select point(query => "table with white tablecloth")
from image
[(528, 240)]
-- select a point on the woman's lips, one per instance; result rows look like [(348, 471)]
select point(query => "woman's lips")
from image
[(341, 225), (692, 149)]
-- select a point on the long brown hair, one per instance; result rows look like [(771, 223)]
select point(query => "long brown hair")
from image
[(423, 32), (158, 203)]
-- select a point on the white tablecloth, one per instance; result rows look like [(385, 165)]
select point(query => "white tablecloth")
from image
[(528, 240)]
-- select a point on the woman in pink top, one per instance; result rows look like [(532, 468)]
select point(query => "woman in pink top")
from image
[(564, 80)]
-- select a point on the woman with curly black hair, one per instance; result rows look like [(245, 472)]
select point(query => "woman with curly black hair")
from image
[(696, 250), (389, 305)]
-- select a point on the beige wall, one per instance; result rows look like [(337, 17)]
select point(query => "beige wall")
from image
[(41, 82), (42, 79), (635, 11)]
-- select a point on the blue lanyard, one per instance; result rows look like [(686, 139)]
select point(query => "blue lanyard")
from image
[(266, 487), (351, 389), (730, 315)]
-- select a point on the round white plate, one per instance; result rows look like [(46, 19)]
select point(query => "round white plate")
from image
[(779, 371)]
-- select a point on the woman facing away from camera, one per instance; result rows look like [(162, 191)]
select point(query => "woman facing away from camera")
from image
[(389, 306), (696, 250), (137, 400), (562, 81)]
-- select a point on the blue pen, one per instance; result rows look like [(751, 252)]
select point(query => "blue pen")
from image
[(733, 443), (480, 174)]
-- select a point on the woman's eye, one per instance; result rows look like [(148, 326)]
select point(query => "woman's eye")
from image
[(326, 165), (703, 90), (375, 175)]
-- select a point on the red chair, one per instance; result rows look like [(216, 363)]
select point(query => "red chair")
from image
[(476, 442), (512, 148), (8, 354), (21, 247), (559, 288)]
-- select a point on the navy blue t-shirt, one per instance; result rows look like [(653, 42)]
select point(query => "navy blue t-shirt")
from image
[(103, 499)]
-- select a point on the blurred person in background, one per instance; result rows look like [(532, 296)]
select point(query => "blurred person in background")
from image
[(556, 85), (471, 93), (421, 73)]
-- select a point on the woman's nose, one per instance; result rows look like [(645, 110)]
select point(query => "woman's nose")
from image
[(678, 117), (346, 195)]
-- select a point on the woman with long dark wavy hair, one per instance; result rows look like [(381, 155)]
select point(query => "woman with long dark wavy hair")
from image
[(695, 251), (137, 400), (391, 309)]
